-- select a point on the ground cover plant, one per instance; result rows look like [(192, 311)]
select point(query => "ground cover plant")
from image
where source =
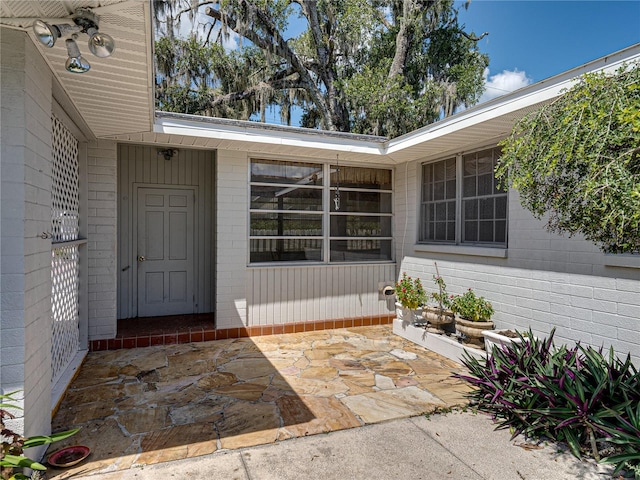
[(578, 395)]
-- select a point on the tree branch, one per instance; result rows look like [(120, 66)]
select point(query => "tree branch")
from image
[(473, 38), (284, 83), (275, 44)]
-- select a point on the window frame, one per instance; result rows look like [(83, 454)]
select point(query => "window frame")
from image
[(326, 212), (458, 244)]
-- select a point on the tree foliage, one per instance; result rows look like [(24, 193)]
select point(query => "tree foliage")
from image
[(381, 67), (577, 160)]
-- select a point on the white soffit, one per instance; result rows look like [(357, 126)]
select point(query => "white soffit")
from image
[(116, 95)]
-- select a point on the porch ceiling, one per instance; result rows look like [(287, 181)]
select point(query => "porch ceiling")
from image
[(116, 95)]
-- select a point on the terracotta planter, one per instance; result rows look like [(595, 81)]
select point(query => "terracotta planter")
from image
[(437, 317), (407, 314), (472, 331)]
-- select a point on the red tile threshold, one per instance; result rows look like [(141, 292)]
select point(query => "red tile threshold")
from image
[(200, 334)]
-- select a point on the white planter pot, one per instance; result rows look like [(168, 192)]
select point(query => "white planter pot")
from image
[(407, 314), (492, 337)]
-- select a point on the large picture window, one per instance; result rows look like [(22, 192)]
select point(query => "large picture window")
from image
[(461, 202), (308, 212)]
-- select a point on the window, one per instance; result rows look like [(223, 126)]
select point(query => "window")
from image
[(461, 202), (309, 212)]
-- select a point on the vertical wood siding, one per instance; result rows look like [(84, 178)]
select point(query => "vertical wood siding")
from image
[(286, 294), (143, 165)]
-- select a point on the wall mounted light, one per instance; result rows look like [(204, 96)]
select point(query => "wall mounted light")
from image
[(168, 153), (85, 21)]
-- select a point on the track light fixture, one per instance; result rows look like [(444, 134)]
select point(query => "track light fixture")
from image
[(85, 21)]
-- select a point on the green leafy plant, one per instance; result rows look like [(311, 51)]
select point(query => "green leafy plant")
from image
[(576, 161), (472, 307), (441, 296), (577, 395), (410, 292), (623, 429), (12, 460)]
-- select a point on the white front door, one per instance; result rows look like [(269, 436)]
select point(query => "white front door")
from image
[(165, 251)]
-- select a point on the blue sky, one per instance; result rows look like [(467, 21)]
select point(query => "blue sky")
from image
[(529, 41)]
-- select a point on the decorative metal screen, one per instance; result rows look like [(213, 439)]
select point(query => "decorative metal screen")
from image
[(65, 256)]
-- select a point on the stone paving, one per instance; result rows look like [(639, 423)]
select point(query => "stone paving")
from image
[(150, 405)]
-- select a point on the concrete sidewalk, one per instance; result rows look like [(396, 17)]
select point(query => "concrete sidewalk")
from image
[(452, 446)]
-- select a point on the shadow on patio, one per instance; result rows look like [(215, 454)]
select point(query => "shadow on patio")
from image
[(150, 405)]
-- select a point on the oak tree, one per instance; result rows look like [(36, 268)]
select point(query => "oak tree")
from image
[(382, 67)]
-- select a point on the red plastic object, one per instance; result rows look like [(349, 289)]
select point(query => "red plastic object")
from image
[(69, 456)]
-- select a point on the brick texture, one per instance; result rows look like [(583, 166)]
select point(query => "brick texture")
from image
[(546, 281), (25, 276)]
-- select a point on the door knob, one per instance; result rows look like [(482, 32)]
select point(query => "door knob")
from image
[(141, 258)]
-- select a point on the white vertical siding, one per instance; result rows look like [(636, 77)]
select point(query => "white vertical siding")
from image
[(286, 294), (142, 165)]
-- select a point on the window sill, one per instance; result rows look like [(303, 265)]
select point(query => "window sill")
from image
[(622, 260), (462, 250)]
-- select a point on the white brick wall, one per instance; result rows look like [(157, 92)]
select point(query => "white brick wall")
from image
[(231, 238), (546, 280), (102, 238), (25, 273)]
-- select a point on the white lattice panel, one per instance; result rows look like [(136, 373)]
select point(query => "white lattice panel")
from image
[(65, 259), (64, 188), (64, 307)]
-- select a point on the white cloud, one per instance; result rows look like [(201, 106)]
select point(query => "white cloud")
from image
[(502, 83)]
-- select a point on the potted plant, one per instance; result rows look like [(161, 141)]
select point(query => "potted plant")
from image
[(439, 315), (473, 315), (410, 296)]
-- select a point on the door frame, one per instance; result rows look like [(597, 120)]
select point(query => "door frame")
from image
[(134, 238)]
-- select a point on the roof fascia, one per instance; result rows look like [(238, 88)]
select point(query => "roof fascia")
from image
[(239, 132), (541, 91)]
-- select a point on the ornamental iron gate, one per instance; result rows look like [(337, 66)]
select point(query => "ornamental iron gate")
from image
[(65, 254)]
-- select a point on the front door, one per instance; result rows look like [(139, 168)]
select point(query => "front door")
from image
[(165, 251)]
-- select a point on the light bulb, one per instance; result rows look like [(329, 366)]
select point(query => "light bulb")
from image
[(100, 44), (45, 33), (75, 63)]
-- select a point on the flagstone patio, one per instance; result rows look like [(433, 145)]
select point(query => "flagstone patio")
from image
[(149, 405)]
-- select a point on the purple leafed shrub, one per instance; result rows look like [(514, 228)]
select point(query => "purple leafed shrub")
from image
[(577, 395)]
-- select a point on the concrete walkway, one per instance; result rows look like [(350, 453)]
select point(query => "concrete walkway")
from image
[(452, 446)]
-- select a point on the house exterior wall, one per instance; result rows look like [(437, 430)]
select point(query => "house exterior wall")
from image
[(231, 238), (25, 354), (272, 295), (542, 281), (102, 238)]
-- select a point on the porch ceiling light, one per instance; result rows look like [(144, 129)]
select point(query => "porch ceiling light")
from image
[(76, 62), (85, 21)]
